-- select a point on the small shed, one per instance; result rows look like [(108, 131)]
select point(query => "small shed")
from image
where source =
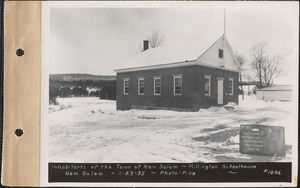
[(275, 93), (249, 89)]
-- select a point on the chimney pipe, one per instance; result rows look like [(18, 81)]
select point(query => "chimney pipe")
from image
[(146, 45)]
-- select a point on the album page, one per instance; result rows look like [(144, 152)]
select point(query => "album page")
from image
[(152, 94)]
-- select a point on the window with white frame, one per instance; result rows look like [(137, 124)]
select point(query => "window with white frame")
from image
[(157, 85), (207, 84), (141, 86), (230, 86), (126, 86), (178, 85)]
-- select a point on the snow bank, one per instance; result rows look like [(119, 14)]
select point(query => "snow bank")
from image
[(91, 130)]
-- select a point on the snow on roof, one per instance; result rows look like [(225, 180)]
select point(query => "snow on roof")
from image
[(278, 88), (245, 87), (189, 51)]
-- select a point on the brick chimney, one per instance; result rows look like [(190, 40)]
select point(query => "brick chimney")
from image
[(146, 45)]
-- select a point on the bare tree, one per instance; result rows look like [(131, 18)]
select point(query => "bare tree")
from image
[(241, 60), (266, 67), (156, 39), (273, 67), (258, 57), (140, 48)]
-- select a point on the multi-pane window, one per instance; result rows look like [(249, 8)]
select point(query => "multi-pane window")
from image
[(207, 85), (141, 86), (221, 53), (177, 85), (157, 86), (126, 86), (230, 86)]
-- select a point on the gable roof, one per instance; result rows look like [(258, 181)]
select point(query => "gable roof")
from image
[(278, 88), (173, 56)]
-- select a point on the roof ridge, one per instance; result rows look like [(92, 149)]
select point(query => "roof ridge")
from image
[(187, 51)]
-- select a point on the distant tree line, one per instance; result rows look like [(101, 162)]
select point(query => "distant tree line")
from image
[(63, 89), (69, 92), (82, 83), (108, 92)]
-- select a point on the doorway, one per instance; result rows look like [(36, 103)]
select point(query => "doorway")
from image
[(220, 90)]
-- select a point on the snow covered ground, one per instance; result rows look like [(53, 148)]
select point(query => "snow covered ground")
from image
[(91, 130)]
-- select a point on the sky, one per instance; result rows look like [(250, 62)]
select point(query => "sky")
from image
[(98, 40)]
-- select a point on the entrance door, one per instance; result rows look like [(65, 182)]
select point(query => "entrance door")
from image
[(220, 91)]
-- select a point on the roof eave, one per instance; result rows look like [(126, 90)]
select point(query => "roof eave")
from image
[(161, 66), (172, 65)]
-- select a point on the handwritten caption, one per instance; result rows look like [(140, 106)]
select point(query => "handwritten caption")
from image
[(164, 172), (138, 169)]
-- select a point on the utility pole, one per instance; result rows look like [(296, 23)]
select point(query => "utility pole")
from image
[(224, 22), (249, 86), (242, 86)]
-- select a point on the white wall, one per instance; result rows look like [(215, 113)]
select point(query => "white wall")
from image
[(211, 56), (274, 95)]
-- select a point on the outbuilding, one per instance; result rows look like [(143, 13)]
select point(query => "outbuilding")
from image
[(275, 93), (184, 77)]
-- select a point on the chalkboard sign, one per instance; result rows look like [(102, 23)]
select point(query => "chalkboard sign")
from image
[(262, 140)]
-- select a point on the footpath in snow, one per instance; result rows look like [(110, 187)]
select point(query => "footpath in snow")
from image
[(91, 130)]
